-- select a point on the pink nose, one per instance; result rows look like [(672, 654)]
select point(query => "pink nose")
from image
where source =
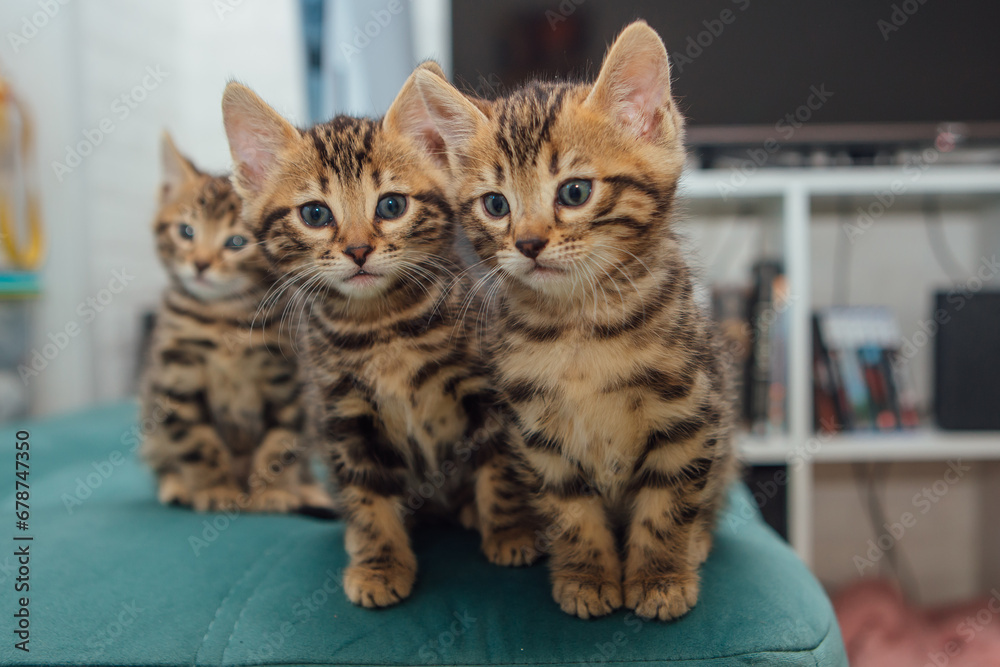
[(359, 253), (531, 247)]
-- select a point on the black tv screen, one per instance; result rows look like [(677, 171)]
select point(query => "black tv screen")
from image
[(885, 70)]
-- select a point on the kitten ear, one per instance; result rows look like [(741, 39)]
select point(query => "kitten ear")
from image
[(454, 116), (408, 115), (177, 169), (258, 135), (634, 83), (433, 67)]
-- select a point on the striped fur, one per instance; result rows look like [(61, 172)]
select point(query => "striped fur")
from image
[(613, 372), (220, 393), (398, 388)]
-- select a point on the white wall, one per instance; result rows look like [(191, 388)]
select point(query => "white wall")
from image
[(99, 215)]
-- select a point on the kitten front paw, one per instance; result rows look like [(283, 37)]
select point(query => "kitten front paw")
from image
[(370, 587), (513, 547), (665, 597), (277, 501), (218, 498), (586, 596), (314, 495), (468, 516), (172, 491)]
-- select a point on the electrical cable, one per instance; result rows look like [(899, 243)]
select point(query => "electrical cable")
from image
[(868, 480), (938, 241)]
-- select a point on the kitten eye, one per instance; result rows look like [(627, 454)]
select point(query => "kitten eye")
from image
[(496, 205), (236, 242), (390, 207), (575, 193), (316, 215), (186, 231)]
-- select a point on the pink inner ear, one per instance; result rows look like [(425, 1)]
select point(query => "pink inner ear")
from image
[(645, 90), (253, 160)]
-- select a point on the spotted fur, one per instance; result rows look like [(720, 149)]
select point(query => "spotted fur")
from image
[(613, 372), (221, 393), (399, 390)]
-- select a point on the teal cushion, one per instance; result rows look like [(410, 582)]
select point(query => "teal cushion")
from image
[(116, 579)]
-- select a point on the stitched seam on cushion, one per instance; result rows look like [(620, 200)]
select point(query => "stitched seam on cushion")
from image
[(222, 603), (246, 605), (578, 662)]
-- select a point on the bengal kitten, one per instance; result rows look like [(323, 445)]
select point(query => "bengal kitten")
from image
[(221, 385), (568, 191), (355, 209)]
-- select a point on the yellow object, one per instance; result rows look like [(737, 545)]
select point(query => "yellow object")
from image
[(16, 152)]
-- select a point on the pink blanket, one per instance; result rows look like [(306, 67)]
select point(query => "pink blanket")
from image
[(881, 630)]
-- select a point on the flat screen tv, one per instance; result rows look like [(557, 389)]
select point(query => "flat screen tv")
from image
[(835, 71)]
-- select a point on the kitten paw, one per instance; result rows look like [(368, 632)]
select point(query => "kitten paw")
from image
[(275, 500), (468, 517), (217, 498), (666, 597), (172, 491), (371, 588), (700, 550), (586, 596), (314, 495), (514, 547)]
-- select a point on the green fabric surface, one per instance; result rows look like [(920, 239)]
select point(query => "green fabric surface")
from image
[(116, 580)]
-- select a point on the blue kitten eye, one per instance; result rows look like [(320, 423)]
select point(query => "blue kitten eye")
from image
[(186, 231), (575, 193), (390, 207), (496, 205), (236, 242), (316, 215)]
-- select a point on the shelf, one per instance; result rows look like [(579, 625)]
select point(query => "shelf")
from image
[(788, 201), (926, 444), (775, 181)]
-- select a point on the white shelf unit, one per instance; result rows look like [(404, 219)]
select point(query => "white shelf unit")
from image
[(794, 195)]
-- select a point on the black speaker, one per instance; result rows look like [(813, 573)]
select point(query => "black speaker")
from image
[(967, 361)]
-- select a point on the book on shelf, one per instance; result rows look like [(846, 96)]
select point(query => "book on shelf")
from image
[(754, 324), (857, 384)]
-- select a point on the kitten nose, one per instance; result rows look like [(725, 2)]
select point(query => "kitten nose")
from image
[(201, 266), (359, 253), (531, 247)]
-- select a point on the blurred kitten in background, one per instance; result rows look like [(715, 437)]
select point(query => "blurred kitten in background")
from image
[(221, 385)]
